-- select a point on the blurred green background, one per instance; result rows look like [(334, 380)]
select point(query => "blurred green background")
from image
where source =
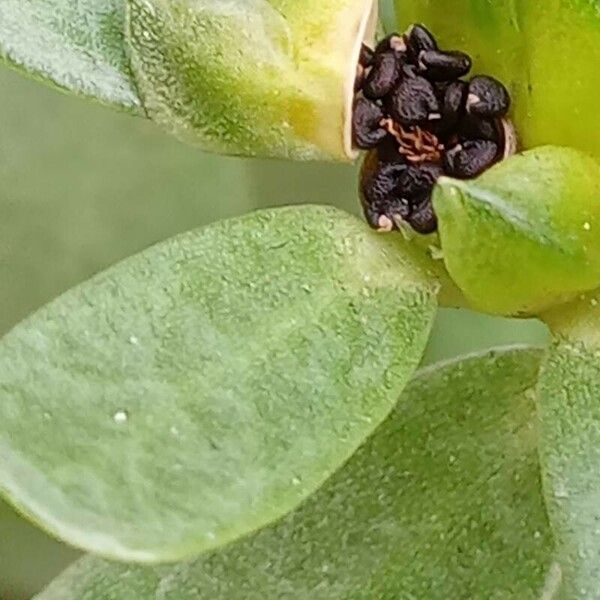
[(82, 187)]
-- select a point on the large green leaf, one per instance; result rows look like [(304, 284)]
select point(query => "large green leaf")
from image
[(205, 387), (78, 45), (89, 187), (569, 411), (443, 501)]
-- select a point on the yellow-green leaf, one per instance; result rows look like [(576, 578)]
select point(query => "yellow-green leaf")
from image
[(251, 77), (523, 237)]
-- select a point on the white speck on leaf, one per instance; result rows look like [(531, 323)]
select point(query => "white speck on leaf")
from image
[(120, 416)]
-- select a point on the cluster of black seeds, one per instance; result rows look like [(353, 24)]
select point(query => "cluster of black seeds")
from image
[(421, 120)]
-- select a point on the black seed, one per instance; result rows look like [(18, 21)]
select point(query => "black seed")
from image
[(472, 127), (366, 56), (443, 66), (366, 128), (455, 98), (423, 219), (406, 82), (382, 182), (470, 158), (413, 101), (380, 193), (417, 181), (383, 76), (394, 42), (409, 71), (388, 151), (419, 39), (487, 97), (440, 88)]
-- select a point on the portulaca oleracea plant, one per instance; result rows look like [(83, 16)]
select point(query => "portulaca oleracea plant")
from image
[(236, 412)]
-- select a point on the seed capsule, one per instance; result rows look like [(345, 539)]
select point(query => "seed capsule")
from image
[(419, 39), (366, 127), (470, 158), (381, 197), (383, 76), (444, 66), (509, 142), (423, 219), (414, 101), (487, 97), (472, 127), (411, 111)]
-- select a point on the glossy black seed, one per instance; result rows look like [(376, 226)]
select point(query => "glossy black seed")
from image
[(443, 66), (440, 88), (487, 97), (394, 42), (381, 195), (366, 129), (382, 182), (418, 40), (388, 152), (421, 121), (470, 158), (409, 70), (366, 56), (418, 180), (422, 219), (472, 127), (413, 101), (455, 98), (384, 75)]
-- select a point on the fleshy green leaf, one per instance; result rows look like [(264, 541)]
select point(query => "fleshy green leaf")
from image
[(206, 386), (78, 45), (252, 77), (555, 93), (569, 412), (443, 501), (523, 237)]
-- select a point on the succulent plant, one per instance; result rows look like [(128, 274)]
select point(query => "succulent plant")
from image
[(277, 344)]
